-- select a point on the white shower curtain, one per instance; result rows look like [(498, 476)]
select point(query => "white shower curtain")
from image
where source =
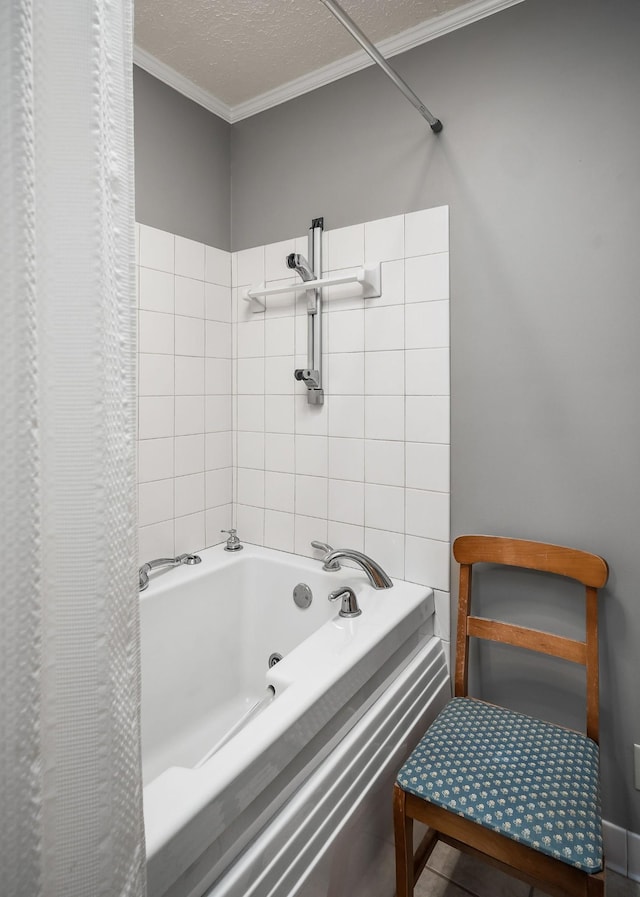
[(70, 788)]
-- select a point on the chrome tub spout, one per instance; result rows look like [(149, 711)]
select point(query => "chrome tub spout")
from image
[(376, 575)]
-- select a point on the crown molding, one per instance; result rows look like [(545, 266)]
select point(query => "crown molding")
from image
[(392, 46), (399, 43), (172, 78)]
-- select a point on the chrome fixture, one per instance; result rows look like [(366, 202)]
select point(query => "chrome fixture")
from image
[(309, 272), (233, 542), (376, 575), (349, 602), (299, 263), (143, 573), (323, 546), (302, 595), (311, 380), (378, 58)]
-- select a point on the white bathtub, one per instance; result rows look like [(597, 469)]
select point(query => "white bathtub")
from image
[(344, 700)]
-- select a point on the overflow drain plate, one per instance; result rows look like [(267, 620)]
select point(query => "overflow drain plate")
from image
[(302, 595), (274, 659)]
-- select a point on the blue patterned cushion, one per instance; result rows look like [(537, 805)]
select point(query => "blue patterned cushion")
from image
[(531, 781)]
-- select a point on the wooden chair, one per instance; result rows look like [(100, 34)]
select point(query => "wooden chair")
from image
[(520, 793)]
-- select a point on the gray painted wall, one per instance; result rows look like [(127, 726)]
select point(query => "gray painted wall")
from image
[(539, 162), (182, 164)]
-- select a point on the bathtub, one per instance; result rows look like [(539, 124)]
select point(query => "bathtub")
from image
[(254, 708)]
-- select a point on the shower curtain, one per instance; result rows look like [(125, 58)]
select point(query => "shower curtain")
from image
[(70, 786)]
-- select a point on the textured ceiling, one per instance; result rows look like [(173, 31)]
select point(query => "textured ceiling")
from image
[(239, 49)]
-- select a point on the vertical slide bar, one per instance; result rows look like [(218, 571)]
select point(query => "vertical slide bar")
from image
[(315, 394)]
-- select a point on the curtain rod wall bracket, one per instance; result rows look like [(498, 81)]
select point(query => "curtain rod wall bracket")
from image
[(378, 58)]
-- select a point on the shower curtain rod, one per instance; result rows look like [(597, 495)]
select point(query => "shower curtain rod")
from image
[(378, 58)]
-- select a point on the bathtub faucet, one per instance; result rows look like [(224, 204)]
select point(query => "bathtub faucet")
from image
[(144, 571), (376, 575), (324, 546)]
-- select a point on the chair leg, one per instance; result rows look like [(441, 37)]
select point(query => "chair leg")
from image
[(596, 885), (403, 827)]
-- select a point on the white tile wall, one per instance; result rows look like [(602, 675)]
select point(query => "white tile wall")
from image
[(346, 459), (189, 297), (370, 468), (189, 455), (222, 420), (184, 426), (157, 290)]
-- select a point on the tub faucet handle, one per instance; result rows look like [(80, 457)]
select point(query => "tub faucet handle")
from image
[(349, 606), (233, 542), (324, 546)]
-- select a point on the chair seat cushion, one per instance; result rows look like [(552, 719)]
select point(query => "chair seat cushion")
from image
[(530, 780)]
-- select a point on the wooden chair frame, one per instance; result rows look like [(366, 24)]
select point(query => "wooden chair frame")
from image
[(553, 876)]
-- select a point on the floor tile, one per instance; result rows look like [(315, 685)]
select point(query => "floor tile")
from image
[(431, 884), (450, 873), (473, 875), (617, 886)]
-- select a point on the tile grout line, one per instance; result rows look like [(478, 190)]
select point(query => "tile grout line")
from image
[(455, 883)]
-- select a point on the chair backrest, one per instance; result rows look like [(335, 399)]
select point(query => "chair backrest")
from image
[(589, 569)]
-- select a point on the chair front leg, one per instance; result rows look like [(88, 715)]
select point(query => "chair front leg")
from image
[(596, 884), (403, 827)]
